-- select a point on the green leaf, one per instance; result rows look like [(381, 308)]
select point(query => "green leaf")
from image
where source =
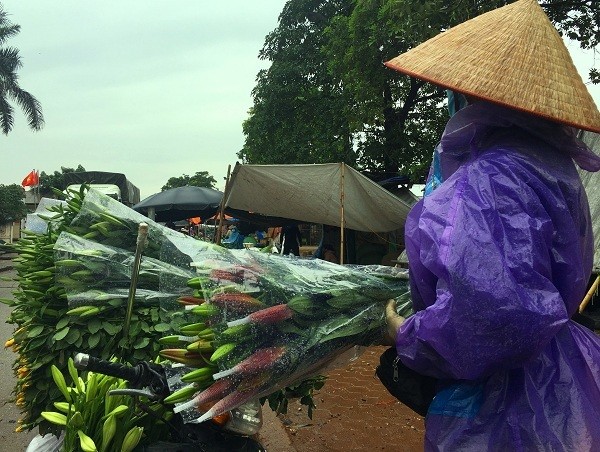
[(94, 340), (164, 316), (35, 343), (162, 327), (72, 336), (60, 335), (94, 325), (62, 323), (289, 327), (7, 301), (154, 316), (116, 302), (111, 329), (35, 331), (135, 329), (141, 343), (79, 342)]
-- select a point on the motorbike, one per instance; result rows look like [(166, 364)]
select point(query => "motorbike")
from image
[(234, 431)]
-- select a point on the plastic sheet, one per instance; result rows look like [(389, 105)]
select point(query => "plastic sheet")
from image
[(93, 274), (93, 265), (277, 321), (38, 221), (107, 221), (258, 322), (45, 443)]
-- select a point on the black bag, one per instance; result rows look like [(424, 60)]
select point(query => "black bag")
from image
[(414, 390)]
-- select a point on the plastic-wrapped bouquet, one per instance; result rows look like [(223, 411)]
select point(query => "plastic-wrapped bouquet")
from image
[(265, 322), (237, 324)]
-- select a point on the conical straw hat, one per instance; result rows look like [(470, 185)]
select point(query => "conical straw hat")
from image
[(512, 56)]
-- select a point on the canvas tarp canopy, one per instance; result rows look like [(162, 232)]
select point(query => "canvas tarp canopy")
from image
[(591, 183), (331, 193)]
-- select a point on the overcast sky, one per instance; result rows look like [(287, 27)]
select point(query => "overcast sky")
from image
[(152, 89)]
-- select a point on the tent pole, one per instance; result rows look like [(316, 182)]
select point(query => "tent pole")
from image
[(342, 221), (589, 295), (222, 207)]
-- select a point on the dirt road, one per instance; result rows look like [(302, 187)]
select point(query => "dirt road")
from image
[(354, 412)]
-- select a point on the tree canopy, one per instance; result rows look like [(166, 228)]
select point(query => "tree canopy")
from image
[(579, 21), (48, 181), (10, 62), (12, 207), (297, 113), (200, 179), (327, 97)]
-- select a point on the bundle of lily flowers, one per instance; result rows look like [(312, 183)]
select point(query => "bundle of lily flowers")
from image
[(263, 322)]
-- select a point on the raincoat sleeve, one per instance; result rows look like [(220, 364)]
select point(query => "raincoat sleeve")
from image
[(486, 239)]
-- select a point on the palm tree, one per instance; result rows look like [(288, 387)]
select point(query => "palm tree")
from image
[(10, 62)]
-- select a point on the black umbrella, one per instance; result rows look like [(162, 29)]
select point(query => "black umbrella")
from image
[(181, 203)]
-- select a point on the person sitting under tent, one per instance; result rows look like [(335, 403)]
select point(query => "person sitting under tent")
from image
[(329, 254), (234, 239)]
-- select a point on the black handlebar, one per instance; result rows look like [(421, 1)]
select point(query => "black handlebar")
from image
[(87, 362), (141, 375)]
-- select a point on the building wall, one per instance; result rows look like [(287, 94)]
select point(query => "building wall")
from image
[(9, 232)]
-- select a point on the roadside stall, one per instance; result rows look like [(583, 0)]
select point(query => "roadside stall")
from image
[(332, 194)]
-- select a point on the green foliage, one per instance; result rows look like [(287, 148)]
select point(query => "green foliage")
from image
[(303, 391), (200, 179), (92, 419), (298, 113), (56, 180), (578, 21), (12, 206), (10, 62), (48, 329)]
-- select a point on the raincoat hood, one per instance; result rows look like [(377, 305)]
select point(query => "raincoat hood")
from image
[(466, 133)]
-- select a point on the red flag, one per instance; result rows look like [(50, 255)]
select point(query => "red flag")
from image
[(32, 179)]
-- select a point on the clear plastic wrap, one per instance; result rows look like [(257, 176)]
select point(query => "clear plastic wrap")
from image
[(39, 220), (240, 324), (93, 264), (93, 274), (265, 322), (105, 220)]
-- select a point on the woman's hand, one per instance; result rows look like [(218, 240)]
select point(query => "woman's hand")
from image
[(393, 321)]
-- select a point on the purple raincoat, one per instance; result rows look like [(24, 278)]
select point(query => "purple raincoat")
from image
[(500, 256)]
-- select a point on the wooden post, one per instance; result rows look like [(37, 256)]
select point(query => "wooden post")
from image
[(342, 220), (589, 294), (222, 207)]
